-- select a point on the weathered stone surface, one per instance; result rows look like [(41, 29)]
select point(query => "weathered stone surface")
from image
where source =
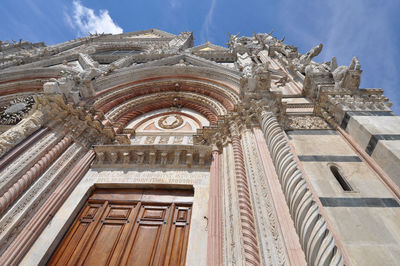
[(147, 109)]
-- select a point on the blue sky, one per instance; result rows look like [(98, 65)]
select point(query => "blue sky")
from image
[(369, 29)]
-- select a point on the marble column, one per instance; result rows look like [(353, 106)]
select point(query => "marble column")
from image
[(250, 244), (315, 234), (232, 236), (288, 232), (18, 248), (214, 243)]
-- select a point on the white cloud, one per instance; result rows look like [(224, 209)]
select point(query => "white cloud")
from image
[(205, 29), (174, 3), (85, 21)]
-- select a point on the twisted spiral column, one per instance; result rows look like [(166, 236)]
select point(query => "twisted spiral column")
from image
[(250, 244), (35, 171), (315, 236)]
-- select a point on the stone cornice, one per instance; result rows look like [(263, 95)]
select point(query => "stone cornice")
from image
[(166, 156)]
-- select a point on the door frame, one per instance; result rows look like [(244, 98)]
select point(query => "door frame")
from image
[(52, 235)]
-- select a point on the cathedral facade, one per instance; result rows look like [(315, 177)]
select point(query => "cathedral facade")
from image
[(143, 149)]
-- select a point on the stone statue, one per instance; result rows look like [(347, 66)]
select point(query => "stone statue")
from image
[(265, 40), (241, 45), (348, 76), (301, 63), (232, 42), (84, 81), (282, 81), (262, 77)]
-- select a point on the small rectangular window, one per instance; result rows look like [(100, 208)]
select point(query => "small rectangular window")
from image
[(340, 178)]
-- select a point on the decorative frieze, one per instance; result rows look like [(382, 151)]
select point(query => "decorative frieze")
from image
[(162, 139), (23, 163), (19, 132), (338, 105), (39, 134), (51, 110), (170, 156), (298, 122), (270, 237)]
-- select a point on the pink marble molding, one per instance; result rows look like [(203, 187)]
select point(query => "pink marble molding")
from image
[(34, 172), (250, 243), (18, 248), (25, 144), (214, 243)]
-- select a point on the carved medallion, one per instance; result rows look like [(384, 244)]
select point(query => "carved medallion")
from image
[(12, 113), (170, 121)]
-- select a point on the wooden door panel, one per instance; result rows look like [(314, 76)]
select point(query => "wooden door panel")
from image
[(127, 215), (113, 229), (148, 236), (104, 244), (177, 243), (69, 250), (146, 240), (119, 229)]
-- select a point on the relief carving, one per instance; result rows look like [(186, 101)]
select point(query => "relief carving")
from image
[(306, 122), (268, 227), (19, 132), (170, 121)]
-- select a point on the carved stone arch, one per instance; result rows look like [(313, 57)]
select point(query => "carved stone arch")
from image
[(211, 105), (114, 96), (29, 80), (222, 79)]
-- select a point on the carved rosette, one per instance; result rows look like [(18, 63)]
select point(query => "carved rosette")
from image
[(12, 113)]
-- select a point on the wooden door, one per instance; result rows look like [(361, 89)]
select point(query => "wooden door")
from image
[(129, 227)]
